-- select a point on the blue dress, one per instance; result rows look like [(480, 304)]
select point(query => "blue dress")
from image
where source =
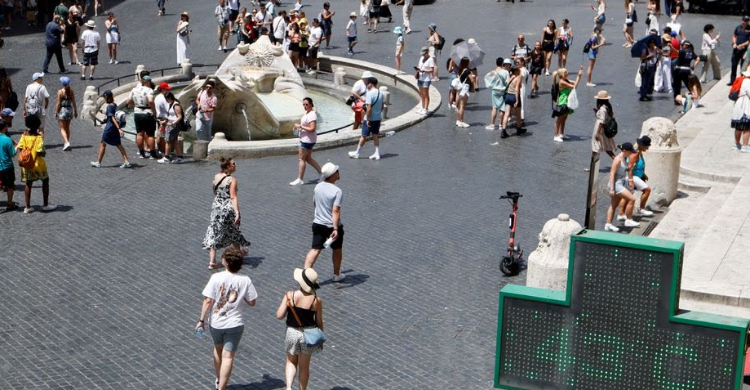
[(111, 136)]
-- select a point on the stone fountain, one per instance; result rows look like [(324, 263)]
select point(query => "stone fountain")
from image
[(259, 92)]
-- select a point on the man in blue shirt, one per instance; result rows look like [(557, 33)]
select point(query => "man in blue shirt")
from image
[(7, 173), (373, 116), (53, 41), (740, 41)]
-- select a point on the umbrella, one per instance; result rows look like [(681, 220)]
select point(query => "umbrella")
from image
[(472, 51), (642, 45)]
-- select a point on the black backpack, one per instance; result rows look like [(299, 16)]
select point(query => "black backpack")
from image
[(441, 43), (610, 128)]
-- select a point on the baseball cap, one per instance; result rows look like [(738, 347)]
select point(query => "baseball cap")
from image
[(146, 78), (107, 93), (627, 146), (330, 168), (746, 18), (7, 112), (36, 76), (507, 61), (164, 86), (65, 80)]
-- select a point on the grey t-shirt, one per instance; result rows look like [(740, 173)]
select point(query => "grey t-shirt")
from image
[(325, 196)]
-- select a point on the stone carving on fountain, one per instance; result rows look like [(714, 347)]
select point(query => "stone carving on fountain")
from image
[(256, 86)]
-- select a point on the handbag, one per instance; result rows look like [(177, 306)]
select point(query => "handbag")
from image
[(313, 336)]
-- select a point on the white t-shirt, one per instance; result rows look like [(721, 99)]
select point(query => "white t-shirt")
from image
[(262, 19), (35, 95), (325, 196), (140, 95), (161, 106), (309, 137), (229, 292), (90, 40), (424, 75), (360, 88), (315, 34), (351, 28), (234, 5), (279, 28)]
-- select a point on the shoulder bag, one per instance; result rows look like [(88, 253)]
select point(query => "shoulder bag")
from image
[(313, 336)]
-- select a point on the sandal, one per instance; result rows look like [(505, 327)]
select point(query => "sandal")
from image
[(12, 206), (212, 267)]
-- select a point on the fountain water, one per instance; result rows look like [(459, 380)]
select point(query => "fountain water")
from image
[(243, 109)]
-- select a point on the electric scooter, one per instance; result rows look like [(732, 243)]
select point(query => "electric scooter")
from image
[(510, 265)]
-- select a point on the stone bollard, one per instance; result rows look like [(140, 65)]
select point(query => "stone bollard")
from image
[(548, 263), (339, 77), (138, 70), (187, 68), (200, 150), (89, 109), (386, 100), (662, 161)]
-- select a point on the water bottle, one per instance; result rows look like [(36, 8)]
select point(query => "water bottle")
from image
[(199, 333), (390, 133)]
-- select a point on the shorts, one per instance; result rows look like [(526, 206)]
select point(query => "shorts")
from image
[(312, 52), (172, 132), (639, 184), (145, 123), (351, 39), (91, 59), (224, 31), (537, 70), (234, 14), (306, 145), (398, 52), (374, 14), (229, 338), (321, 234), (628, 25), (372, 128), (295, 344), (620, 186), (8, 179), (510, 99), (592, 54), (423, 84), (548, 46), (302, 52)]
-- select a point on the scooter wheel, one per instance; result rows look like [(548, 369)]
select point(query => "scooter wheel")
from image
[(509, 266)]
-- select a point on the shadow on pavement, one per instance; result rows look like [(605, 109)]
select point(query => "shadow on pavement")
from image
[(253, 261), (268, 383), (350, 281)]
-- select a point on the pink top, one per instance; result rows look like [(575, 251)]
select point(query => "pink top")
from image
[(305, 136), (208, 102)]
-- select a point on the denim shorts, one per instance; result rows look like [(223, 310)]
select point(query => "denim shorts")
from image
[(592, 54), (306, 145), (424, 84), (229, 338), (372, 128)]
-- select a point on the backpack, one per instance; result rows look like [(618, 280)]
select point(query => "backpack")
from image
[(734, 92), (183, 125), (441, 43), (587, 47), (555, 92), (610, 128), (33, 105), (26, 158)]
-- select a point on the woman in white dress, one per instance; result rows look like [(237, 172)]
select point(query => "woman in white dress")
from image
[(113, 36), (741, 116), (364, 11), (663, 75), (183, 37)]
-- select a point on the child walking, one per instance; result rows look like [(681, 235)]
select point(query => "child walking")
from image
[(351, 32)]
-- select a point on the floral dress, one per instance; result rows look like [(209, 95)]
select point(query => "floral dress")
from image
[(36, 144), (222, 232)]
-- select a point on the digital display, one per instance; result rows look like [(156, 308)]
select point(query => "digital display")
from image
[(617, 326)]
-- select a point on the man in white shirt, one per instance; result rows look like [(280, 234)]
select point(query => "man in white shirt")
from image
[(316, 34), (279, 28), (234, 12), (36, 99), (90, 40), (351, 32), (222, 13), (263, 18)]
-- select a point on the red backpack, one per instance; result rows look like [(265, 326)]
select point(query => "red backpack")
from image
[(734, 92)]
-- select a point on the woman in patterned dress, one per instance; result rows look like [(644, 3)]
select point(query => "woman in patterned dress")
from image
[(33, 141), (224, 227), (65, 110)]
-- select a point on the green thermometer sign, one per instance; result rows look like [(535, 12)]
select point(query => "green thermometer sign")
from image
[(618, 325)]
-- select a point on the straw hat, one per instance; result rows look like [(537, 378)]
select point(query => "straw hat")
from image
[(353, 14), (366, 74), (91, 24), (307, 279), (602, 95)]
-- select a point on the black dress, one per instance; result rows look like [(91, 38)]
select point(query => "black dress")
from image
[(71, 32), (385, 11)]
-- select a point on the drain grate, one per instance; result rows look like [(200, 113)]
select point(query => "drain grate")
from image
[(650, 228)]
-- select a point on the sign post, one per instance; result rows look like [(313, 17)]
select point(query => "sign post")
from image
[(617, 326)]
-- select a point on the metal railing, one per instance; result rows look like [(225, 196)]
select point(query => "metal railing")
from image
[(130, 78)]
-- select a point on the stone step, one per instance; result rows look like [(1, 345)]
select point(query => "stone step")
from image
[(708, 176), (691, 184)]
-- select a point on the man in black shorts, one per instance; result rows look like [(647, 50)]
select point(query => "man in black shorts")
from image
[(142, 97), (327, 227)]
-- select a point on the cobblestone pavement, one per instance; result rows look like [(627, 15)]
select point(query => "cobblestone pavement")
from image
[(104, 293)]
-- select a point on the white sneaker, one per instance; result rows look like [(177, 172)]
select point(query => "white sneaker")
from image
[(424, 112), (339, 277), (621, 217), (644, 213), (163, 160), (558, 139), (458, 123), (66, 147), (354, 154), (453, 106), (631, 223), (611, 228), (489, 127), (590, 85), (297, 182), (745, 149), (464, 124), (49, 207), (117, 62), (111, 61), (28, 210), (220, 48), (375, 156)]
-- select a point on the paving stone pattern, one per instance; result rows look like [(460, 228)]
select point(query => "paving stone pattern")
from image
[(104, 293)]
